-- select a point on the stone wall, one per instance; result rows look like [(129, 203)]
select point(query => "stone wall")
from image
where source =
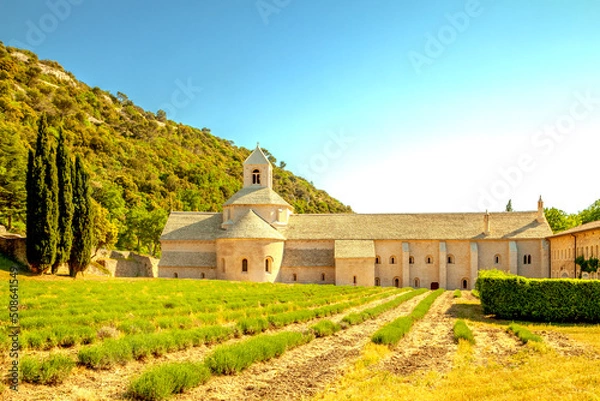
[(129, 264), (14, 246)]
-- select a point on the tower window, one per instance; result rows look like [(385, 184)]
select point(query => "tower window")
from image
[(527, 259), (245, 266), (268, 263), (256, 176)]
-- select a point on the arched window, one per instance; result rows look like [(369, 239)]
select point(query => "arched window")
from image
[(377, 260), (392, 260), (295, 277), (354, 280), (245, 266), (451, 259), (417, 282), (465, 284), (256, 176), (377, 281), (497, 259), (322, 276), (268, 263), (397, 282), (429, 260), (175, 275), (202, 275), (411, 260), (527, 259)]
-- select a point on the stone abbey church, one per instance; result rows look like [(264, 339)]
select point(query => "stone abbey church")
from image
[(258, 237)]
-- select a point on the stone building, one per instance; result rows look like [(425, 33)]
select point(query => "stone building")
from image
[(583, 241), (258, 237)]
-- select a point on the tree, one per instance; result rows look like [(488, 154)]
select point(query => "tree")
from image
[(161, 115), (64, 168), (105, 232), (13, 171), (42, 201), (509, 207), (81, 250), (592, 213), (560, 220)]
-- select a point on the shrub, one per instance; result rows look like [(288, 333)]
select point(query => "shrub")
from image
[(164, 380), (107, 332), (524, 334), (252, 326), (105, 355), (325, 328), (457, 293), (547, 300), (230, 359), (51, 370), (463, 332)]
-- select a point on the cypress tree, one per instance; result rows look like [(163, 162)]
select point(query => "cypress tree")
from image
[(81, 250), (64, 166), (42, 202)]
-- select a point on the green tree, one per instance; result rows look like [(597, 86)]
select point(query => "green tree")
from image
[(42, 202), (64, 167), (81, 250), (509, 207), (592, 213), (559, 220), (105, 232), (13, 171)]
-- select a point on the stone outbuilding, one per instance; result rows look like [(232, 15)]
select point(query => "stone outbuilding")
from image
[(258, 237)]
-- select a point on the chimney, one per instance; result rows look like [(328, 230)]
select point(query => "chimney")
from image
[(487, 226), (540, 214)]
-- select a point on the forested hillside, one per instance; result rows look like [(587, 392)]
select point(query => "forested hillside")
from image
[(142, 165)]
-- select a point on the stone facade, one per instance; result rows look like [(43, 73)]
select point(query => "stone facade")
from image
[(567, 245), (259, 238)]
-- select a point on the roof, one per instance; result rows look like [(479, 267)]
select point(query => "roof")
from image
[(256, 195), (192, 226), (307, 257), (584, 227), (188, 259), (257, 157), (438, 226), (251, 226), (345, 249)]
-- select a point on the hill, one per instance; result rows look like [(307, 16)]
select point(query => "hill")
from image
[(142, 165)]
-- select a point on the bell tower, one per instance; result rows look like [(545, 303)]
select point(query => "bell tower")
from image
[(258, 170)]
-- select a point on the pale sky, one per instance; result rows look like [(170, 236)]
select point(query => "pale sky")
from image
[(390, 106)]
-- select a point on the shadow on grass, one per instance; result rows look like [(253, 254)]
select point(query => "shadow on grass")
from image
[(6, 264)]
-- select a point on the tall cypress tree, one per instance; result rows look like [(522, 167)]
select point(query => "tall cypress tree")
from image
[(64, 168), (81, 250), (42, 201)]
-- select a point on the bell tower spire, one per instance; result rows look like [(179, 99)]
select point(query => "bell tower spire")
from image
[(258, 170)]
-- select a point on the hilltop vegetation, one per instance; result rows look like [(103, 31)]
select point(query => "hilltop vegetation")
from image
[(141, 164), (560, 220)]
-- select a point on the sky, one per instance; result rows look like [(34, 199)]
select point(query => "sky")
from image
[(403, 106)]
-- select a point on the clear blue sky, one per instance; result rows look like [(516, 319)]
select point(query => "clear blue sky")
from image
[(391, 106)]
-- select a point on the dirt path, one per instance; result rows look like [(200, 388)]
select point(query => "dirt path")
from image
[(301, 372), (493, 344), (429, 345), (90, 385)]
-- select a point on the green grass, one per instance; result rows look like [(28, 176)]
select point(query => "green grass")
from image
[(524, 334), (393, 332), (168, 379), (51, 370), (325, 328), (462, 332)]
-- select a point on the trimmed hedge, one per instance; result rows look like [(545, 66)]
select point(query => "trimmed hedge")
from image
[(462, 332), (545, 300)]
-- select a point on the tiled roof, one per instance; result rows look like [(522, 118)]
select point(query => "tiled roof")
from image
[(188, 259), (257, 157), (438, 226), (256, 195), (192, 226), (584, 227), (307, 257), (252, 226), (345, 249)]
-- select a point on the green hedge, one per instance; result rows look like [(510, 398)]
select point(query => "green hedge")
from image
[(546, 300)]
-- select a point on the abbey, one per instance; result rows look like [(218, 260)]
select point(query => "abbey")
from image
[(258, 237)]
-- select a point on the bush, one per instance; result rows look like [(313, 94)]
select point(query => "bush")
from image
[(164, 380), (524, 334), (230, 359), (52, 370), (547, 300), (463, 332), (105, 355), (252, 326), (325, 328), (457, 294)]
